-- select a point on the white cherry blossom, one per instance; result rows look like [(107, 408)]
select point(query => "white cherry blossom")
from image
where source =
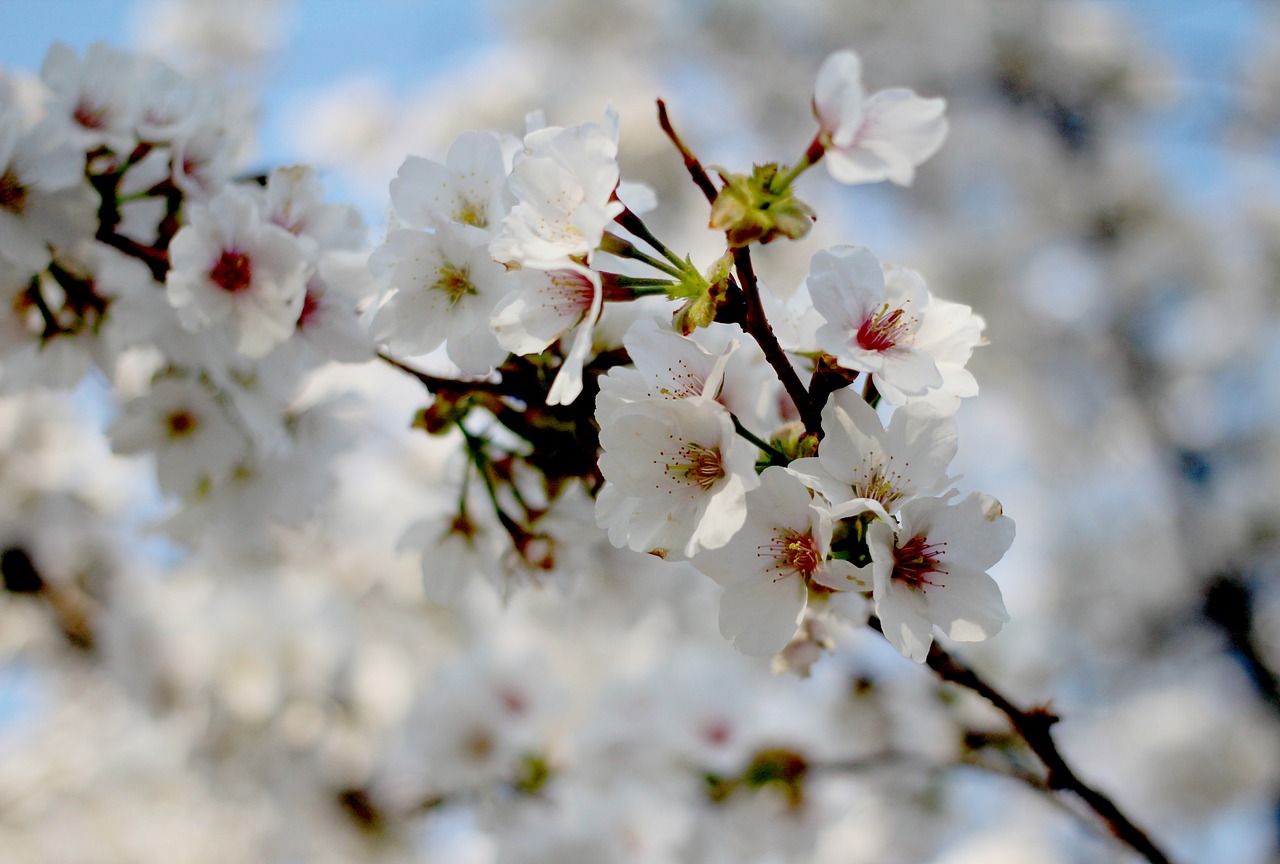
[(548, 304), (884, 136), (564, 182), (443, 289), (881, 319), (193, 436), (468, 189), (228, 266), (933, 572), (677, 476), (767, 568), (44, 202), (666, 365), (861, 460)]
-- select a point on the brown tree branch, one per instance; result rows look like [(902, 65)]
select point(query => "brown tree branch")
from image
[(1034, 728), (691, 163)]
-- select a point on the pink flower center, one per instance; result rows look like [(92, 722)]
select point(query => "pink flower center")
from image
[(699, 465), (793, 552), (915, 561), (884, 329), (310, 306), (574, 288), (89, 117), (13, 195), (233, 272)]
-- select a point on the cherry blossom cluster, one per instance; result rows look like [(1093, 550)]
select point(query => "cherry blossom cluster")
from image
[(207, 299), (517, 247)]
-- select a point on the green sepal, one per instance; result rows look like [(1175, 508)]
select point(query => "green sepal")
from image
[(703, 295), (749, 210)]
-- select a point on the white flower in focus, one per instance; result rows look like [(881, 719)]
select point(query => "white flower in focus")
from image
[(468, 189), (547, 306), (563, 182), (880, 467), (767, 569), (229, 266), (444, 288), (948, 333), (677, 476), (666, 365), (871, 138), (934, 572), (881, 320)]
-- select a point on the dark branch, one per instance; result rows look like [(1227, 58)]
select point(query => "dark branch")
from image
[(757, 324), (1034, 728), (691, 163)]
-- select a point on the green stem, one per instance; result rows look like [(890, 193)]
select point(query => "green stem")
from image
[(810, 158), (615, 245), (633, 223), (776, 456)]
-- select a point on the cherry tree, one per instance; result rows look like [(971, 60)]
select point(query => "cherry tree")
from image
[(594, 512)]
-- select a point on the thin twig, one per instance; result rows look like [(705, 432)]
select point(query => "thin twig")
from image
[(1034, 728), (436, 384), (691, 163)]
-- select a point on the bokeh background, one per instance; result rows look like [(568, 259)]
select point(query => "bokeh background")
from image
[(1109, 200)]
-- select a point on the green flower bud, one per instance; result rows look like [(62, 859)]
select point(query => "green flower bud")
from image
[(749, 210)]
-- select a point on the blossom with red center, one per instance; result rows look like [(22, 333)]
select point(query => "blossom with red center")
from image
[(229, 267), (233, 272), (881, 320), (865, 465), (548, 305), (932, 572), (772, 562), (195, 440)]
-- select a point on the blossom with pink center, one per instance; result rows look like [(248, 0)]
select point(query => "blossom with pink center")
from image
[(767, 569), (871, 138), (881, 319), (229, 267), (933, 572), (863, 465), (666, 365), (545, 308), (676, 476), (44, 200)]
